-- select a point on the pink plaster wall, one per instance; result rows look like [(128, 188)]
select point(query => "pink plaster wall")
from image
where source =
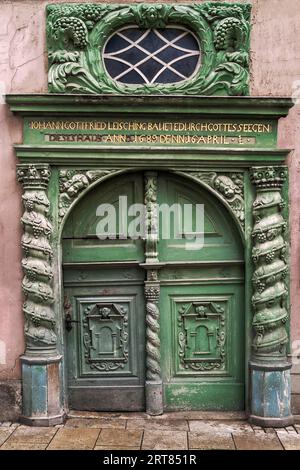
[(275, 65)]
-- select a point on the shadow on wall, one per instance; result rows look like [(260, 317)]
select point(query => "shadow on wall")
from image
[(10, 400)]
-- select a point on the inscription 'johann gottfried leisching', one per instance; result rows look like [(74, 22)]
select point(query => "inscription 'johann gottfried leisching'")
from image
[(151, 132)]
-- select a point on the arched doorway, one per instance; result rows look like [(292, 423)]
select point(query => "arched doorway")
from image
[(201, 302)]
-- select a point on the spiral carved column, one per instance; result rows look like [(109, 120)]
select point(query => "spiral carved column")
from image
[(154, 399), (153, 372), (270, 369), (41, 361)]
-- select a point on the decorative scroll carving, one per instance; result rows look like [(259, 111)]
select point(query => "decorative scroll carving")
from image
[(105, 336), (153, 371), (37, 260), (201, 336), (269, 256), (72, 183), (152, 285), (77, 32), (230, 187)]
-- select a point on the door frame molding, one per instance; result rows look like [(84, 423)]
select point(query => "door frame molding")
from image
[(264, 176)]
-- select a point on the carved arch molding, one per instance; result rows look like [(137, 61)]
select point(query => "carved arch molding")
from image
[(269, 250), (228, 186)]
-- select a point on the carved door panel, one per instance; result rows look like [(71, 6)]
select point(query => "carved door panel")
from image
[(106, 344), (201, 306)]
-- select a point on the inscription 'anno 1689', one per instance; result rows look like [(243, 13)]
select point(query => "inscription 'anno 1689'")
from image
[(152, 132)]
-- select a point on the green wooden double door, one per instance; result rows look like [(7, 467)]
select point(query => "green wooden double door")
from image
[(201, 303)]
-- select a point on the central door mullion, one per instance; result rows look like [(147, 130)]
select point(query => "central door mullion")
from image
[(154, 395)]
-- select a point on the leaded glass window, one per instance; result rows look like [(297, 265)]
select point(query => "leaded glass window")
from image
[(143, 56)]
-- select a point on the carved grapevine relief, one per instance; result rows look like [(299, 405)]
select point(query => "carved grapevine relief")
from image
[(269, 257), (230, 187), (77, 33), (37, 261)]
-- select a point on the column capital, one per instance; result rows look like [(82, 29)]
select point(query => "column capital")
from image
[(267, 177), (33, 176)]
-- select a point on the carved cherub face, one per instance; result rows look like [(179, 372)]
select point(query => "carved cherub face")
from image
[(78, 182), (225, 186)]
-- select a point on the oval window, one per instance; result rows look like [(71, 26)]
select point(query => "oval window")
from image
[(135, 56)]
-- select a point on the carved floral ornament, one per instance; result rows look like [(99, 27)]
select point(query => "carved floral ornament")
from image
[(77, 35), (73, 182)]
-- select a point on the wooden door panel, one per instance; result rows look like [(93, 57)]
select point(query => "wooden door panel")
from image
[(106, 348), (201, 305), (220, 234), (81, 242), (202, 337)]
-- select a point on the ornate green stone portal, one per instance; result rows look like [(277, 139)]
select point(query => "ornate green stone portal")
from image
[(146, 324)]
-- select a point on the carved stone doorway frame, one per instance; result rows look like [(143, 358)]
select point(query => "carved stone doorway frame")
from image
[(249, 179)]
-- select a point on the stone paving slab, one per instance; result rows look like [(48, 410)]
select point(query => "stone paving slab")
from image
[(130, 431), (23, 446), (166, 440), (207, 415), (204, 441), (291, 429), (288, 440), (119, 438), (269, 430), (297, 427), (219, 427), (96, 423), (9, 424), (74, 439), (256, 441), (27, 435), (106, 415), (4, 434), (115, 448), (158, 424)]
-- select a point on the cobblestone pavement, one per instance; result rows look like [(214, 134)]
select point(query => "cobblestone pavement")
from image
[(134, 431)]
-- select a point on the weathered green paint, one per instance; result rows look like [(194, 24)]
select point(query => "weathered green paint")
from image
[(218, 291), (271, 392), (202, 307), (269, 256), (42, 402), (169, 130), (106, 346), (208, 167), (270, 369), (77, 33)]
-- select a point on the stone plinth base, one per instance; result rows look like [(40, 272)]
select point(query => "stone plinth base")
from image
[(154, 399), (42, 403), (271, 394)]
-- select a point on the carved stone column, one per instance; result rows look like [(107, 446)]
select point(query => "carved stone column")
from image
[(270, 369), (41, 361), (154, 397)]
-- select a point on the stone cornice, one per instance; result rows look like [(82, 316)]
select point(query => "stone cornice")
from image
[(65, 104), (177, 158)]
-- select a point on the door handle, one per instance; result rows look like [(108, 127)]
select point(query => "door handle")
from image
[(68, 317), (69, 321)]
